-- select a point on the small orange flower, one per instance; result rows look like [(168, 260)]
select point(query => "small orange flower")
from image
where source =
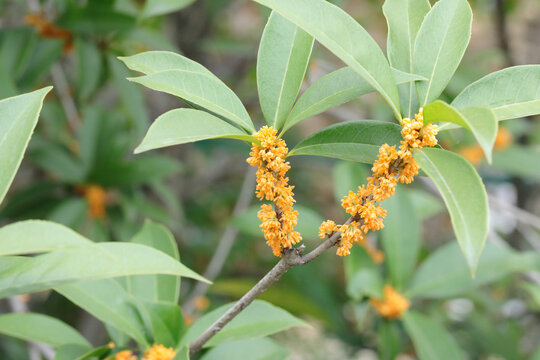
[(503, 140), (96, 197), (392, 306), (125, 355), (159, 352), (474, 154), (327, 228)]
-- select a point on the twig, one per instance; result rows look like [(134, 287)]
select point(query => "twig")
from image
[(225, 243), (291, 257), (68, 104)]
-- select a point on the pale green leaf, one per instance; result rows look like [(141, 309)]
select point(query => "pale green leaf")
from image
[(365, 282), (257, 320), (252, 349), (162, 7), (440, 45), (281, 65), (18, 118), (333, 89), (444, 273), (155, 288), (389, 340), (347, 177), (151, 62), (519, 161), (404, 18), (341, 34), (400, 237), (511, 93), (464, 195), (351, 140), (180, 126), (479, 120), (107, 301), (40, 328), (431, 340)]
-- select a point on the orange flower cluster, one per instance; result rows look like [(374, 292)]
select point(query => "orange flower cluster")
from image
[(279, 220), (392, 306), (96, 197), (392, 166), (156, 352), (48, 30), (475, 154)]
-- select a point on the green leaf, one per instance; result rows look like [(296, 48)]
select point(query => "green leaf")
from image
[(18, 118), (365, 282), (480, 121), (404, 18), (89, 67), (351, 140), (389, 340), (430, 339), (348, 176), (464, 195), (107, 301), (161, 7), (444, 274), (258, 319), (400, 237), (440, 45), (70, 352), (165, 321), (519, 161), (425, 204), (40, 328), (252, 349), (341, 34), (180, 126), (308, 222), (155, 288), (151, 62), (511, 93), (281, 65), (333, 89)]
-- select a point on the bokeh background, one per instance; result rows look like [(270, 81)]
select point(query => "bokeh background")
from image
[(80, 170)]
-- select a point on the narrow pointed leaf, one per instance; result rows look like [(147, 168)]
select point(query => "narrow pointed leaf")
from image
[(40, 328), (165, 321), (18, 118), (404, 18), (480, 121), (511, 93), (464, 195), (257, 320), (281, 65), (341, 34), (151, 62), (252, 349), (431, 340), (351, 140), (180, 126), (440, 45), (336, 88)]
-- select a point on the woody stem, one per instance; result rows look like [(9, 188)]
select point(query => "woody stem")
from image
[(291, 257)]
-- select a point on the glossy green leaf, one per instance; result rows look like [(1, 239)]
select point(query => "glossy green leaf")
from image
[(107, 301), (341, 34), (404, 18), (519, 160), (180, 126), (89, 67), (351, 140), (480, 121), (252, 349), (431, 340), (308, 222), (155, 288), (400, 237), (257, 320), (365, 282), (464, 195), (333, 89), (18, 118), (40, 328), (151, 62), (440, 45), (162, 7), (511, 93), (281, 65), (444, 273)]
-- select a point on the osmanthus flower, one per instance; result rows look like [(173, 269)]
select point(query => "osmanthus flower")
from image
[(96, 197), (392, 166), (159, 352), (392, 305), (279, 219), (475, 154), (125, 355)]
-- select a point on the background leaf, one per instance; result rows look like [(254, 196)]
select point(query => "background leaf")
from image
[(253, 349), (281, 65), (464, 195), (161, 7)]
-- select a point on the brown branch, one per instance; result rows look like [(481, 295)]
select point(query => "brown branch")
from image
[(291, 257)]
